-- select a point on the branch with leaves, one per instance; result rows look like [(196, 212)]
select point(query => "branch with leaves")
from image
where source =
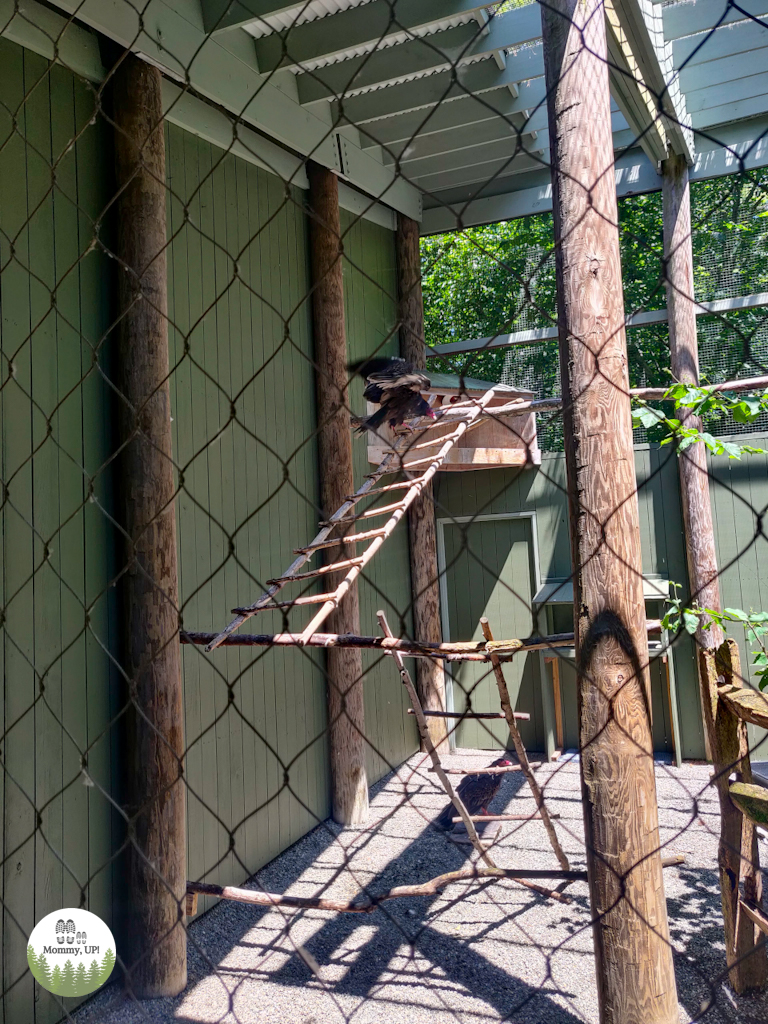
[(679, 618), (703, 402)]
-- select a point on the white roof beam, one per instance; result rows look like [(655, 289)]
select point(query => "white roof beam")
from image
[(744, 146), (642, 28), (358, 26), (219, 15), (470, 79), (429, 53)]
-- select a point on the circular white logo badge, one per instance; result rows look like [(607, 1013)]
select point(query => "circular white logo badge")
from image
[(71, 952)]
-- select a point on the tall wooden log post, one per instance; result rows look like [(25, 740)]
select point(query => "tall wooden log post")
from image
[(157, 955), (430, 675), (635, 976), (684, 362), (344, 667)]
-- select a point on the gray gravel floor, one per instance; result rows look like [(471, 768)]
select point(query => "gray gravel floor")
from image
[(497, 953)]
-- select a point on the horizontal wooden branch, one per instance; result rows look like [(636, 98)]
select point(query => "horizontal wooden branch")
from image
[(505, 817), (747, 704), (523, 715), (367, 904), (463, 650), (487, 771), (751, 800), (756, 914)]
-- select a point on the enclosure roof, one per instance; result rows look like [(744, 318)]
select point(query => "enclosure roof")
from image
[(440, 105)]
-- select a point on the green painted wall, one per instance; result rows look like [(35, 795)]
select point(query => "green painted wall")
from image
[(57, 694), (739, 492), (370, 289)]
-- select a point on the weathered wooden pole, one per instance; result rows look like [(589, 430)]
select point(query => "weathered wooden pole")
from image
[(422, 535), (684, 352), (635, 975), (344, 666), (157, 951)]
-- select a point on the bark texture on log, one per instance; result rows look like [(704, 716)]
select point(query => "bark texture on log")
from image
[(684, 352), (422, 534), (344, 666), (157, 955), (635, 974), (737, 855)]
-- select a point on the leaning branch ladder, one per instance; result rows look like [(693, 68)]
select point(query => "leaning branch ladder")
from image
[(522, 754), (466, 415)]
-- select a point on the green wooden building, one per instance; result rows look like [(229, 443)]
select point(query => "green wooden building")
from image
[(256, 765)]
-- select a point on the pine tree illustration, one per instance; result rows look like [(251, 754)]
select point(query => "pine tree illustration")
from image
[(56, 980), (68, 979), (94, 976), (107, 964), (32, 959), (81, 979), (43, 972)]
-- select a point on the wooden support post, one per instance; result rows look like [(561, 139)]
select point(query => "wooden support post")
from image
[(738, 859), (344, 666), (157, 944), (635, 974), (422, 534), (684, 361)]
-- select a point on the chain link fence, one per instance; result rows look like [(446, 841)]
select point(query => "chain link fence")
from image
[(125, 734)]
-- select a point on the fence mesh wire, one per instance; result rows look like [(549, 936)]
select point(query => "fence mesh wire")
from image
[(416, 105)]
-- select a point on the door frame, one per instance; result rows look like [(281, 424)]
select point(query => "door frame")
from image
[(440, 524)]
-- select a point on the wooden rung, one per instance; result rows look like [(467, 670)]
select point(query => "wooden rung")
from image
[(352, 538), (751, 800), (747, 704), (506, 817), (755, 914), (403, 485), (522, 715), (191, 904), (436, 442), (486, 771), (320, 571), (368, 514), (312, 599)]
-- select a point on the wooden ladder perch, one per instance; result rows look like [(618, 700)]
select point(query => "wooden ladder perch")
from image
[(466, 416)]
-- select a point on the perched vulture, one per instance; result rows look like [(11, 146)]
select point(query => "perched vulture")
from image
[(476, 792), (396, 386)]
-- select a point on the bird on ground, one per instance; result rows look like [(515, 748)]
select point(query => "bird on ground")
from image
[(396, 386), (476, 792)]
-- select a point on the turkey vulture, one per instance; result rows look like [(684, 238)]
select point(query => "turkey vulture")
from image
[(396, 386), (476, 792)]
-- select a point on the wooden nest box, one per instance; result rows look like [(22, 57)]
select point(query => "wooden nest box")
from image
[(509, 440)]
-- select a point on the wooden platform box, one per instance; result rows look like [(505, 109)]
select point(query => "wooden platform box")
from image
[(509, 440)]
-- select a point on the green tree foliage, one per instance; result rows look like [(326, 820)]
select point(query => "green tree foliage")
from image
[(81, 978), (501, 278)]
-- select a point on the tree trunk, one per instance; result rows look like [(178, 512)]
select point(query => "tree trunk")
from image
[(157, 958), (422, 534), (635, 976), (344, 666), (684, 351)]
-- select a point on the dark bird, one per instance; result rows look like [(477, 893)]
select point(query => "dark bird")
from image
[(476, 792), (396, 386)]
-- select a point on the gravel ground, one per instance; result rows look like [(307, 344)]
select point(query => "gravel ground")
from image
[(499, 953)]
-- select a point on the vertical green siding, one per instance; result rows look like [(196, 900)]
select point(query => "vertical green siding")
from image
[(370, 290), (542, 491), (57, 695), (243, 407)]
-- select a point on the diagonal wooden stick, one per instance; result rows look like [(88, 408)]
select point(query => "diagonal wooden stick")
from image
[(538, 796), (430, 747)]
